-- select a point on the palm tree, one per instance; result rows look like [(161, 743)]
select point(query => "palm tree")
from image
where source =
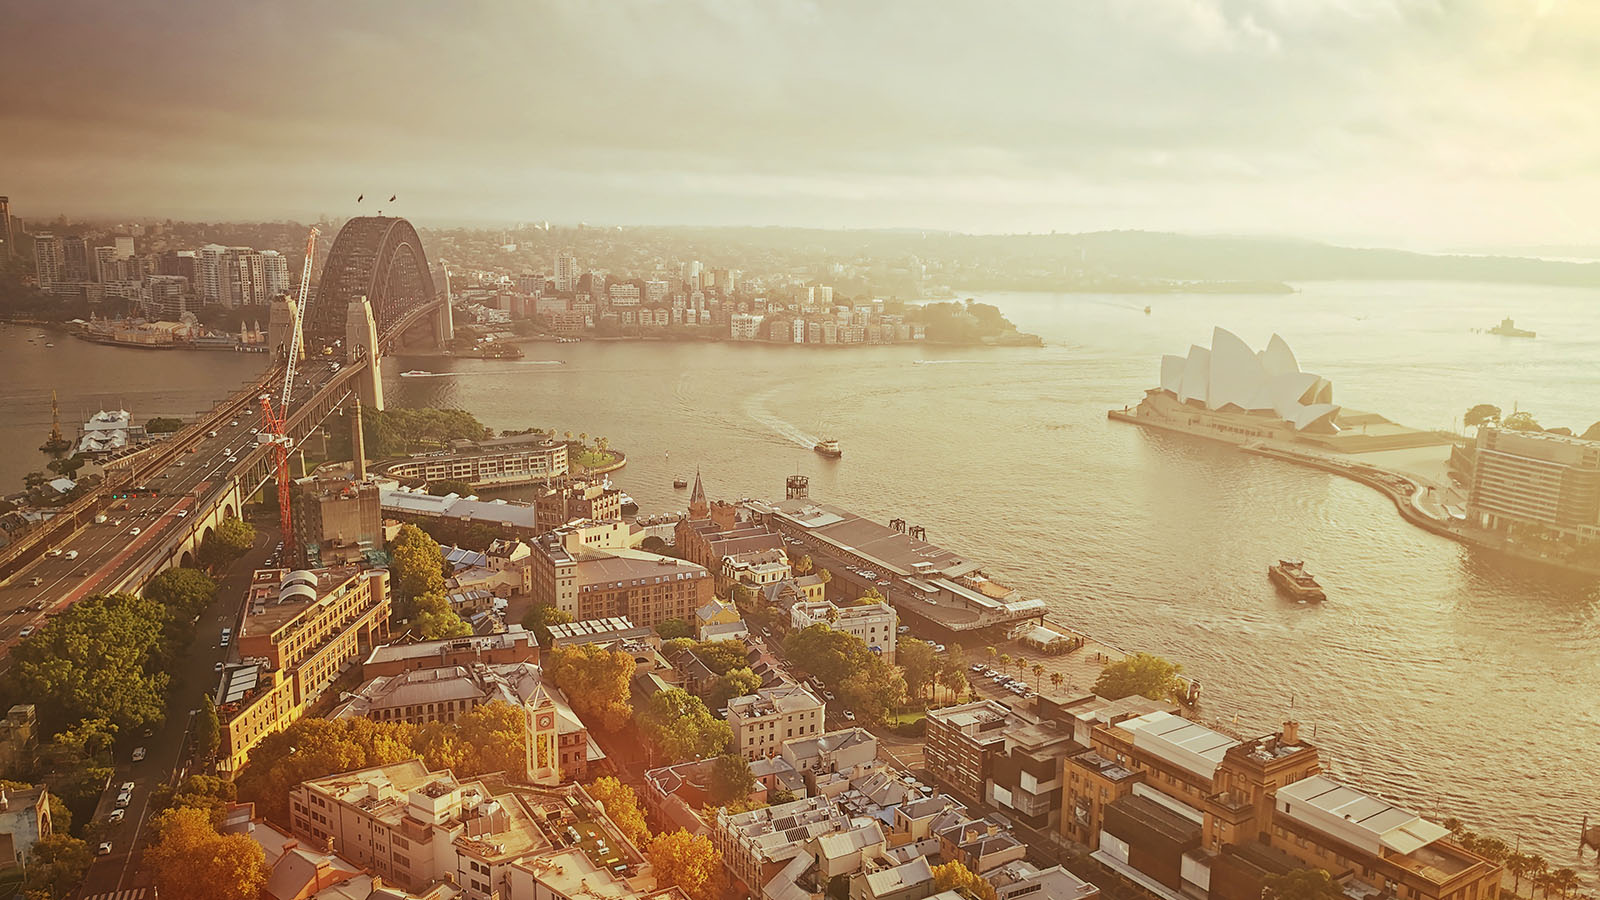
[(569, 435), (1055, 680), (1536, 868), (992, 653), (1038, 672), (604, 443), (1517, 864), (583, 436), (1564, 880), (1005, 661), (1022, 665)]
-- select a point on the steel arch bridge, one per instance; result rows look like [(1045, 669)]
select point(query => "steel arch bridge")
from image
[(381, 258)]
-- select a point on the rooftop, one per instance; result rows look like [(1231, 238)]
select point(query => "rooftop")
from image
[(1174, 739), (1356, 817), (515, 635)]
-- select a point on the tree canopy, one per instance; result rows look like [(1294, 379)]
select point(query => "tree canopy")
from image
[(1521, 420), (312, 748), (187, 592), (1142, 673), (678, 727), (688, 861), (596, 682), (1301, 884), (56, 867), (190, 859), (954, 875), (432, 618), (487, 738), (862, 680), (1481, 414), (539, 618), (622, 806), (674, 628), (730, 684), (226, 543), (416, 568), (395, 432), (731, 780)]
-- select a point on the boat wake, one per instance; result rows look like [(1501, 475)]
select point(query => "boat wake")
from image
[(541, 362), (943, 362), (755, 407)]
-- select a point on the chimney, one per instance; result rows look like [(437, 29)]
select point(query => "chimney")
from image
[(1291, 733), (5, 799)]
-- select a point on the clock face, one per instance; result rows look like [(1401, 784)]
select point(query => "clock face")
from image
[(546, 720)]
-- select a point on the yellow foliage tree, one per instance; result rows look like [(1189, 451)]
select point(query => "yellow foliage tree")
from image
[(190, 859), (954, 875), (690, 862), (622, 806), (486, 738), (595, 681)]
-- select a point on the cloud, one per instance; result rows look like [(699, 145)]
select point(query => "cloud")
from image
[(1200, 114)]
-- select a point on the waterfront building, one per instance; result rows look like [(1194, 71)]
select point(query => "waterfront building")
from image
[(300, 631), (763, 721), (514, 645), (744, 327), (444, 693), (47, 260), (106, 433), (874, 623), (24, 820), (578, 500), (516, 519), (590, 571), (1534, 478), (624, 294), (336, 518), (514, 459), (162, 296), (779, 331), (566, 273)]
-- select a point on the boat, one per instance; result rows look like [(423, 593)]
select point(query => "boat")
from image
[(1147, 310), (630, 507), (680, 483), (1508, 328), (828, 447), (415, 373), (49, 345), (1291, 577)]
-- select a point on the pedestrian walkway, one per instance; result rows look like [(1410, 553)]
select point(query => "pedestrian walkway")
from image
[(137, 893)]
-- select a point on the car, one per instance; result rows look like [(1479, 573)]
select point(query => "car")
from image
[(54, 551), (234, 423), (134, 532), (138, 754), (123, 800), (116, 816), (849, 716), (26, 630), (884, 582), (105, 848), (233, 459), (976, 667), (211, 434), (179, 463), (183, 513), (36, 581), (226, 640), (127, 787), (219, 666), (828, 696), (72, 554), (903, 629)]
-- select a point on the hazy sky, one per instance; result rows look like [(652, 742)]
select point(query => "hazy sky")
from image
[(1421, 124)]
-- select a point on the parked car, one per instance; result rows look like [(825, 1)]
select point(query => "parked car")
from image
[(976, 667), (849, 716), (105, 848), (115, 817), (138, 754)]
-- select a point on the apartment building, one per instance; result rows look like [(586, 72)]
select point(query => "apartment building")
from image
[(301, 630), (1536, 478), (875, 624), (763, 721), (514, 459), (587, 569), (578, 500)]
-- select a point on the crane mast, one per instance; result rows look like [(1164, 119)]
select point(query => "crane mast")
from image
[(276, 431)]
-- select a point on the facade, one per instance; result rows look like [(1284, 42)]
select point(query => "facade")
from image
[(442, 694), (874, 623), (578, 500), (301, 630), (959, 741), (566, 273), (336, 519), (163, 296), (515, 645), (744, 327), (47, 260), (756, 568), (515, 459), (762, 722), (588, 570), (24, 819), (1536, 478)]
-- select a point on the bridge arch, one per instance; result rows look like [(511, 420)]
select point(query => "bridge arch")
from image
[(186, 561), (379, 257), (227, 512), (207, 535)]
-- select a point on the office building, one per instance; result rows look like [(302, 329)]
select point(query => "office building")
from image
[(874, 623), (162, 297), (301, 630), (763, 721), (589, 570), (566, 273), (336, 518), (1533, 478), (514, 459), (655, 291), (624, 294), (47, 260), (275, 271), (578, 500)]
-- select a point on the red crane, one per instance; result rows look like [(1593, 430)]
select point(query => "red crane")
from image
[(276, 430)]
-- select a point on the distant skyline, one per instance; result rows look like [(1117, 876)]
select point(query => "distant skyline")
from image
[(1422, 125)]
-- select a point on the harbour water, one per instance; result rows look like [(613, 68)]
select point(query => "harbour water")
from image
[(1441, 675)]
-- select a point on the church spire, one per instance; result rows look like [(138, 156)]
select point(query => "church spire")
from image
[(699, 507)]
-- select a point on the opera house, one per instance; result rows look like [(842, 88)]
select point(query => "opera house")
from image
[(1233, 393)]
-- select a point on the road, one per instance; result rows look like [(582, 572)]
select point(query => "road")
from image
[(118, 875)]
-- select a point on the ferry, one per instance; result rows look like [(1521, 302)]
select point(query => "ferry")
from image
[(630, 507), (680, 483), (415, 373), (1291, 577), (828, 447), (1508, 328)]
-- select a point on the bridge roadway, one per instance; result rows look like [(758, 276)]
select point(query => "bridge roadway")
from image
[(199, 480)]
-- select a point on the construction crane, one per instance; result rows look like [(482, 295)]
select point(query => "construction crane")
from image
[(276, 431)]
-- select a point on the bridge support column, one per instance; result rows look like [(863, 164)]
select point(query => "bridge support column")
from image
[(281, 321), (358, 444), (444, 326), (361, 344)]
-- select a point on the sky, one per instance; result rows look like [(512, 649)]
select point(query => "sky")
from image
[(1426, 124)]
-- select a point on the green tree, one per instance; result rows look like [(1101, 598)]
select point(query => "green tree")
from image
[(730, 684), (1055, 680), (919, 662), (803, 565), (186, 592), (731, 780), (674, 628), (190, 859), (721, 656), (955, 876), (487, 738), (1142, 673), (1521, 420), (56, 867), (540, 617), (678, 727), (433, 619), (312, 748), (100, 658), (595, 681), (1301, 884), (690, 862), (1481, 414), (447, 486), (162, 425), (416, 567), (622, 807), (207, 729)]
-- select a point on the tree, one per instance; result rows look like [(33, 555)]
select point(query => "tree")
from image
[(446, 486), (487, 738), (992, 653), (1005, 661), (954, 876), (203, 792), (1563, 880), (596, 682), (674, 628), (1521, 420), (690, 862), (1038, 671), (622, 806), (190, 859), (207, 729), (678, 727), (1055, 680), (730, 684), (653, 544), (99, 658), (433, 618), (233, 538), (312, 748), (162, 425), (1142, 673), (186, 592), (721, 657), (731, 780), (870, 597), (803, 565), (1517, 863), (1481, 414), (416, 567), (56, 866), (1301, 884), (953, 679), (540, 617), (918, 662)]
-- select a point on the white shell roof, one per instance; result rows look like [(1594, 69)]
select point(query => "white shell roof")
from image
[(1231, 376)]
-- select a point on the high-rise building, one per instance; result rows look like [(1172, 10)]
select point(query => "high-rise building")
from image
[(275, 266), (124, 246), (163, 296), (566, 272), (655, 291), (212, 282), (74, 259), (103, 265), (692, 275), (47, 259), (1536, 478), (825, 294), (6, 237)]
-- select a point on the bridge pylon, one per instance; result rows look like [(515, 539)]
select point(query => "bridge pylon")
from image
[(361, 344)]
